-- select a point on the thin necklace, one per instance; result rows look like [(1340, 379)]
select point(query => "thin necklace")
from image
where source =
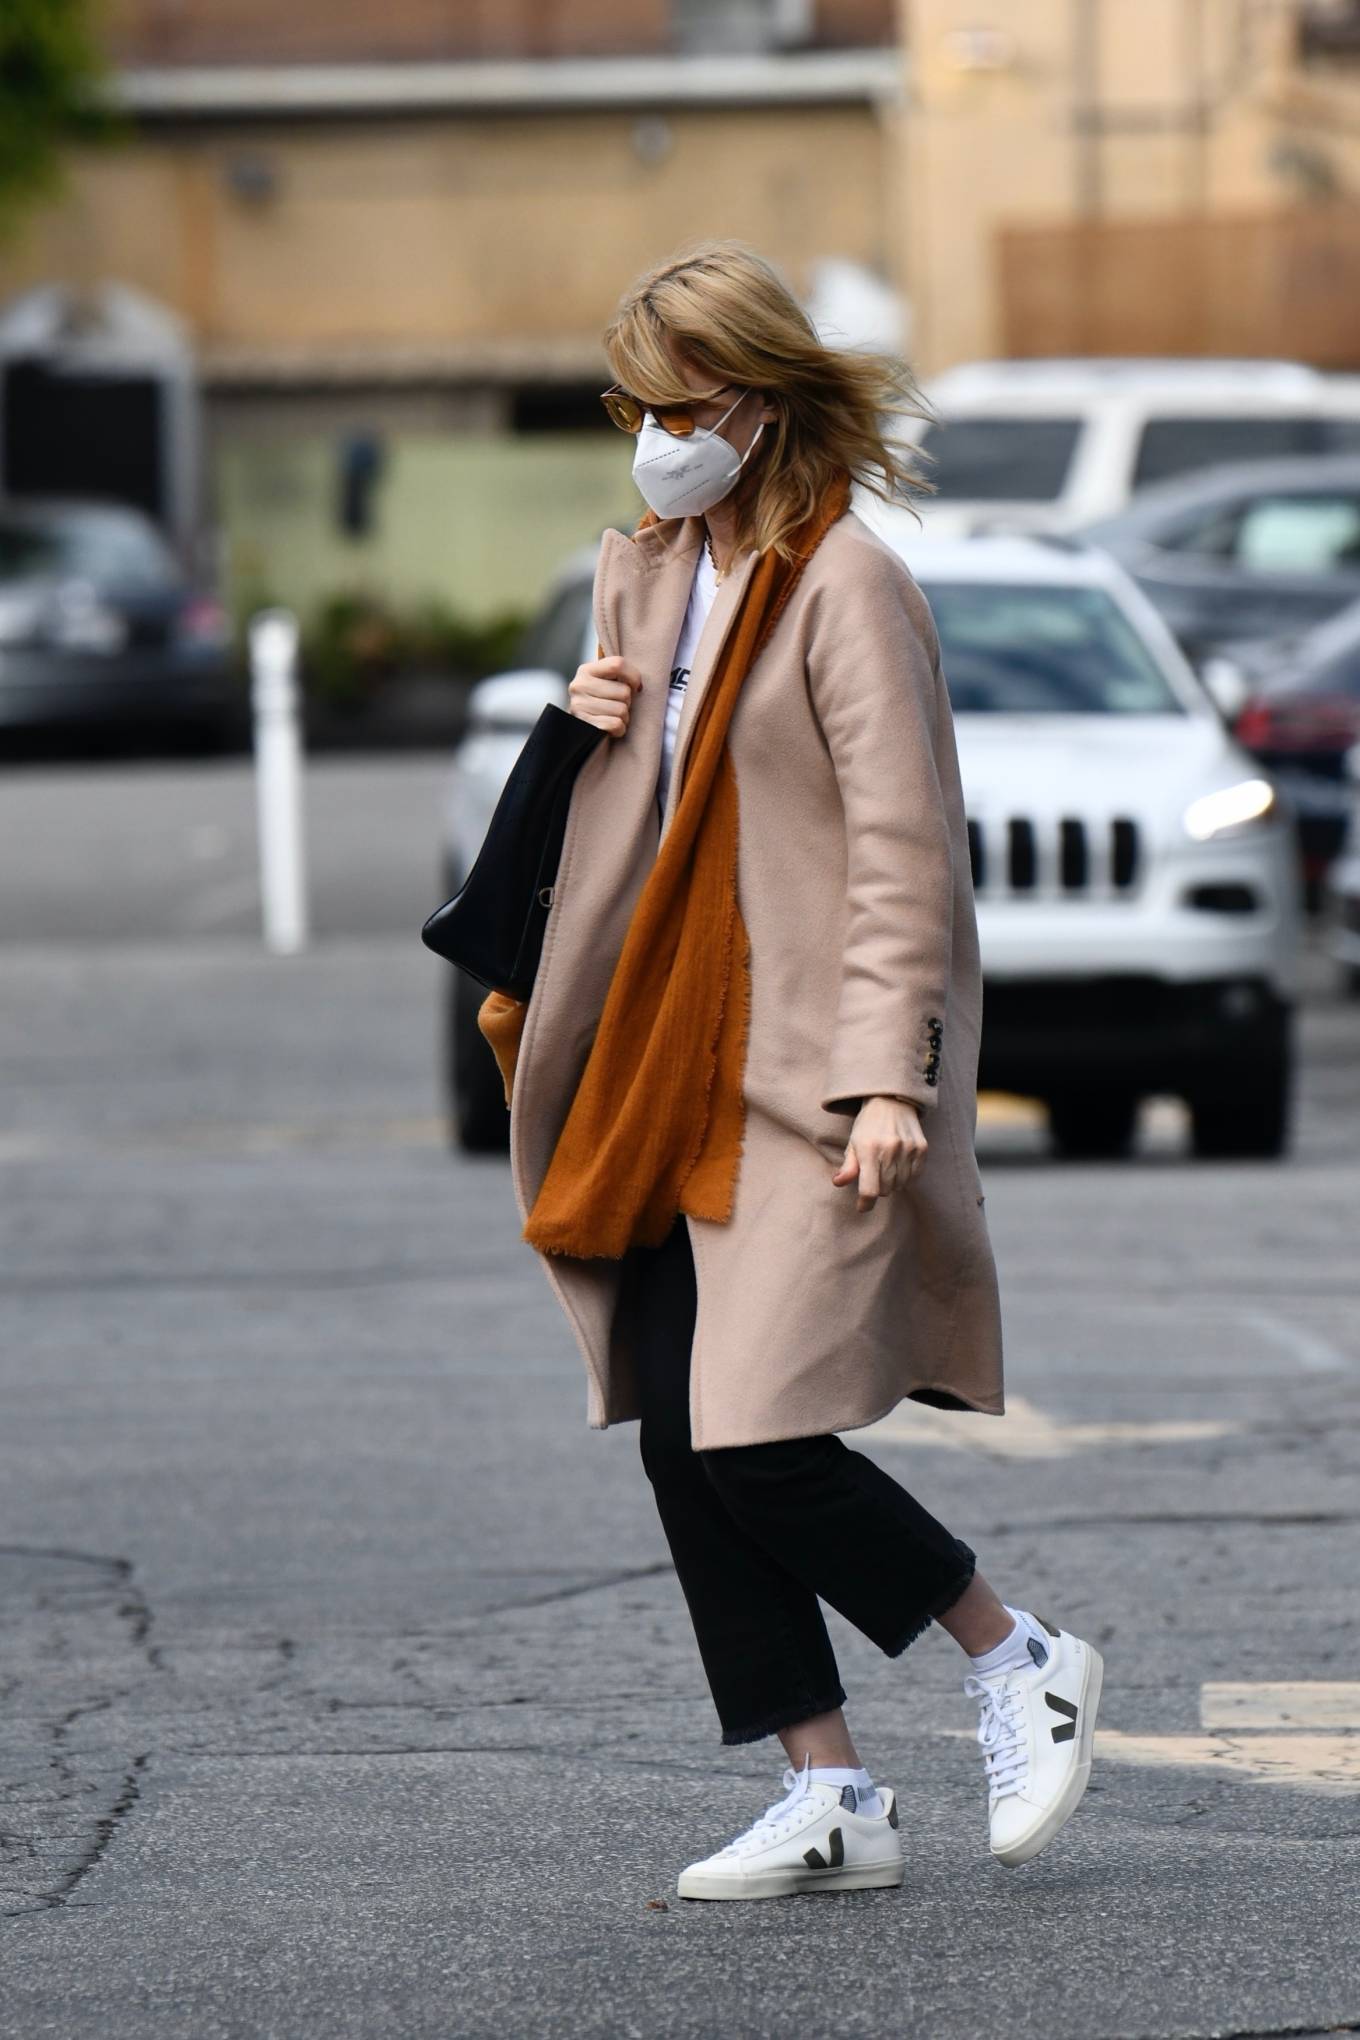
[(719, 573)]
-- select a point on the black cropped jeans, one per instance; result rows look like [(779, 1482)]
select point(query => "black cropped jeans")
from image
[(759, 1532)]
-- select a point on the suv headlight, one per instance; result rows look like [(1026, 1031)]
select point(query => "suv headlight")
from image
[(1232, 807)]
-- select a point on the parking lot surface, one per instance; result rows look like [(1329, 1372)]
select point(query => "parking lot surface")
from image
[(346, 1685)]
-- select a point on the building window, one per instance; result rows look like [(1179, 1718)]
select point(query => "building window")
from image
[(559, 407), (1330, 28), (740, 26)]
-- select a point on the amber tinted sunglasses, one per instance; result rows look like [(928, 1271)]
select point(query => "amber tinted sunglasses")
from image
[(625, 410)]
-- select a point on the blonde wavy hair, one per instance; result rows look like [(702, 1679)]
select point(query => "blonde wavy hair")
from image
[(725, 311)]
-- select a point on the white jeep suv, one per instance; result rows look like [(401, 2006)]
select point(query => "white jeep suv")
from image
[(1136, 875)]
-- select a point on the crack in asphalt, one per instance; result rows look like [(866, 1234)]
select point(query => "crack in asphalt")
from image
[(599, 1584), (1309, 2031), (105, 1828), (62, 1609), (75, 1774)]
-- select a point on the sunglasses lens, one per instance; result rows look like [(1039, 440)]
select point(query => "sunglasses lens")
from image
[(623, 411), (627, 413)]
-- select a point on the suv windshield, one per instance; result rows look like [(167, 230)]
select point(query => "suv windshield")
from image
[(1000, 460), (553, 639), (1178, 446), (96, 545), (1018, 650)]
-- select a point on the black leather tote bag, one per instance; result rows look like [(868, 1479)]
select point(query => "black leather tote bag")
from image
[(493, 926)]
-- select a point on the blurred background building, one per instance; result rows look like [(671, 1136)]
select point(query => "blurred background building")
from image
[(382, 241), (392, 236)]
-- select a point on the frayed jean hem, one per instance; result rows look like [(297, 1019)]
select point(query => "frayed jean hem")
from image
[(941, 1605), (785, 1717)]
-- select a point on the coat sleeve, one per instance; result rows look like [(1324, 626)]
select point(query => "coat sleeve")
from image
[(878, 694)]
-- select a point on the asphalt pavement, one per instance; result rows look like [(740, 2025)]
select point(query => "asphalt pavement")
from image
[(345, 1687)]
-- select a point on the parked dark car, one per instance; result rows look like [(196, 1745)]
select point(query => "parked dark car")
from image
[(1301, 717), (99, 624), (1252, 550)]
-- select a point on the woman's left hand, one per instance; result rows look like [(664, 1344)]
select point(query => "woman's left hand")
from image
[(886, 1149)]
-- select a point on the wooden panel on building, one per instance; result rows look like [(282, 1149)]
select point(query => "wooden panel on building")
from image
[(1285, 283), (360, 31)]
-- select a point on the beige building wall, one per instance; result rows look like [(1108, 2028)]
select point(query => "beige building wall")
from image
[(397, 275), (502, 242), (1051, 113)]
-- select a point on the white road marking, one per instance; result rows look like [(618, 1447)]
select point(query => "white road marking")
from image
[(1315, 1355), (1308, 1763), (1289, 1703), (1024, 1432), (1002, 1108), (1160, 1117), (1275, 1737), (1326, 1764)]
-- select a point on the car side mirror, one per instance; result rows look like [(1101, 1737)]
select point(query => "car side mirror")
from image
[(514, 701), (1226, 685)]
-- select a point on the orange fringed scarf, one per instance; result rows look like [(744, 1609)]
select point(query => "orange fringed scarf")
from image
[(658, 1119)]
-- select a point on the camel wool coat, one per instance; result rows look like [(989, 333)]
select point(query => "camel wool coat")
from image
[(855, 887)]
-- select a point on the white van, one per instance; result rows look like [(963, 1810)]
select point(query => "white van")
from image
[(1048, 445)]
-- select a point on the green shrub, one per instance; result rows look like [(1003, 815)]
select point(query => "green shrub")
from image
[(354, 645)]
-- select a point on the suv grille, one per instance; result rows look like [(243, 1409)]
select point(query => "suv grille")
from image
[(1071, 857)]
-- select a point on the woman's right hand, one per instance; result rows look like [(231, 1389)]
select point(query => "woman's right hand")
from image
[(601, 692)]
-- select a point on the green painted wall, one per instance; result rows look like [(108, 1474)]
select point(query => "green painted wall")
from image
[(479, 522)]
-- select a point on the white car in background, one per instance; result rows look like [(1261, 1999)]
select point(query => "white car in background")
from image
[(1136, 876), (1049, 445)]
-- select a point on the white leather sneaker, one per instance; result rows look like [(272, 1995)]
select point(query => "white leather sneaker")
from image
[(1036, 1729), (811, 1840)]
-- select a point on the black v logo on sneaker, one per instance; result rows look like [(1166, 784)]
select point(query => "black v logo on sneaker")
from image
[(815, 1860), (1063, 1731)]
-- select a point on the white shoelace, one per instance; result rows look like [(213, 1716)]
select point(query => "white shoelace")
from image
[(1000, 1734), (773, 1822)]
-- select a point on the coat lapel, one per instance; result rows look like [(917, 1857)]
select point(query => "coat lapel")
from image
[(644, 592)]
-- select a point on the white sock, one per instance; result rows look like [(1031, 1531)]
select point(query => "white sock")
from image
[(1013, 1653), (867, 1800)]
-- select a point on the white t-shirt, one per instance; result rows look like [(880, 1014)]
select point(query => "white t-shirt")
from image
[(701, 594)]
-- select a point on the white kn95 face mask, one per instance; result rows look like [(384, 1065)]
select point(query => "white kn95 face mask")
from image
[(685, 477)]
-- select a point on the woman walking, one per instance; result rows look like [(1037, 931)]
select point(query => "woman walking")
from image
[(743, 1093)]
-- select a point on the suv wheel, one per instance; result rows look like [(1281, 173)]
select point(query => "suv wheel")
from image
[(478, 1121), (1248, 1121), (1093, 1125)]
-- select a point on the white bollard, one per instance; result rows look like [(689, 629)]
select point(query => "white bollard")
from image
[(278, 779)]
